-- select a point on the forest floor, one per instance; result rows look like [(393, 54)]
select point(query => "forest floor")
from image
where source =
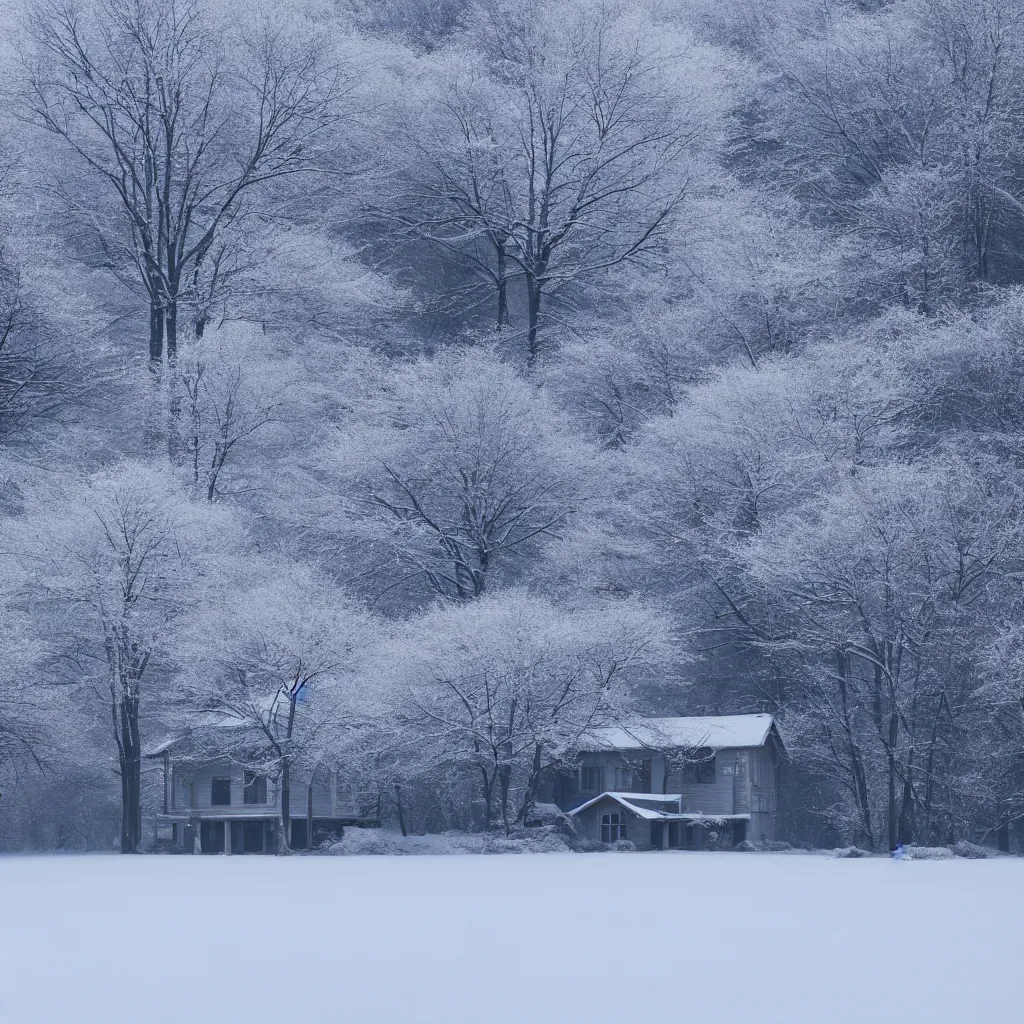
[(544, 939)]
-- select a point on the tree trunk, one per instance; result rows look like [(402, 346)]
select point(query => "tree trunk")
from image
[(156, 329), (401, 815), (309, 814), (856, 762), (505, 781), (171, 326), (502, 286), (283, 841), (131, 776), (530, 797), (533, 300), (892, 815)]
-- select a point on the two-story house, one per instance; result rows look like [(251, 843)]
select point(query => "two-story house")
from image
[(221, 805), (669, 783)]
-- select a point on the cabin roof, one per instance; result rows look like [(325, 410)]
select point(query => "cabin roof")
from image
[(714, 731)]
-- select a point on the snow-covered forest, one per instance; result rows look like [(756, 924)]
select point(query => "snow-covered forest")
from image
[(423, 383)]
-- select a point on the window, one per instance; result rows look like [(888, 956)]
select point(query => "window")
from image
[(613, 827), (624, 780), (220, 792), (591, 780), (254, 789), (701, 769), (762, 803)]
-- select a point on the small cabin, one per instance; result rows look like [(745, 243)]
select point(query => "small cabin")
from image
[(228, 805), (677, 783)]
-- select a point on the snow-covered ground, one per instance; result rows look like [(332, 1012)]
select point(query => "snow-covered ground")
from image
[(544, 938)]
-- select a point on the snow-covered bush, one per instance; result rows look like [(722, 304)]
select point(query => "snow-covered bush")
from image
[(971, 851), (928, 853)]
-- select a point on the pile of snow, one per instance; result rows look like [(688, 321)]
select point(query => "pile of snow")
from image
[(380, 842), (404, 940), (851, 852), (970, 851)]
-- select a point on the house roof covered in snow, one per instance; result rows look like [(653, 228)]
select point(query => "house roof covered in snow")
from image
[(715, 731), (633, 802)]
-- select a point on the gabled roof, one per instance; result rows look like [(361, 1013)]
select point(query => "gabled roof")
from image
[(627, 801), (715, 731)]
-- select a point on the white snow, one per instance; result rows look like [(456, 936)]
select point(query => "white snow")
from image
[(716, 731), (546, 939)]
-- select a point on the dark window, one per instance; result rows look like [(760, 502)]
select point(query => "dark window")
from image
[(702, 769), (613, 827), (625, 780), (254, 838), (220, 792), (211, 836), (299, 841), (590, 780), (255, 788)]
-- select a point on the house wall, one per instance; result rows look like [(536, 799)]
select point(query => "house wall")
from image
[(746, 781), (763, 794), (709, 797), (201, 778), (588, 824)]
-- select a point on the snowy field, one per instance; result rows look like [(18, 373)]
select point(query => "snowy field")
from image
[(603, 937)]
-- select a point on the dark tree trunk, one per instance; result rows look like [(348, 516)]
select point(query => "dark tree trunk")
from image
[(906, 829), (892, 814), (504, 782), (487, 785), (309, 814), (171, 325), (533, 301), (156, 331), (530, 797), (286, 805), (131, 776), (856, 762), (502, 286), (401, 815)]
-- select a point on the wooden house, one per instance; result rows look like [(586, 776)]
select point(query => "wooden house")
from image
[(677, 783), (226, 804)]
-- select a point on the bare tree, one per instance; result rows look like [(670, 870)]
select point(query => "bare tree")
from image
[(464, 467), (181, 130), (563, 162), (223, 407)]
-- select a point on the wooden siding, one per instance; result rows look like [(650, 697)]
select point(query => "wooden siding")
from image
[(745, 782), (709, 797), (763, 796), (191, 790), (638, 830)]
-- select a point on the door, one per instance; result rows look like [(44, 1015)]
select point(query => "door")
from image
[(657, 835)]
